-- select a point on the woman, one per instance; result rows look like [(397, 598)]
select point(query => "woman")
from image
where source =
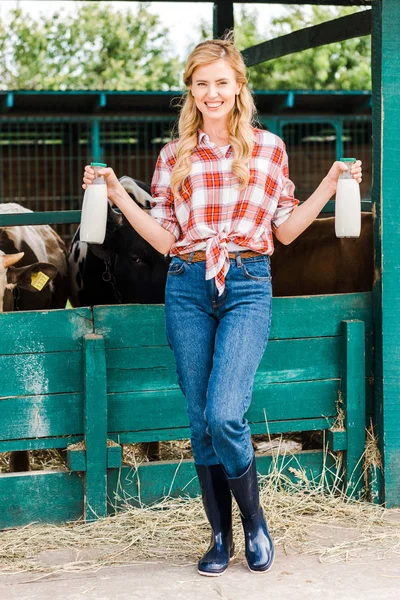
[(219, 191)]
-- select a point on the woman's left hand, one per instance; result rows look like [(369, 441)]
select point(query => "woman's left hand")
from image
[(338, 168)]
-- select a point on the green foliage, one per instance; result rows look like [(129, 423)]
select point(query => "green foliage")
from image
[(104, 48), (97, 48), (340, 66)]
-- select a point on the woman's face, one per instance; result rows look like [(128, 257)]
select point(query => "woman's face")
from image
[(214, 88)]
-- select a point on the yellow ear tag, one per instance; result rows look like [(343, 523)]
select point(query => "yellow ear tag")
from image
[(39, 280)]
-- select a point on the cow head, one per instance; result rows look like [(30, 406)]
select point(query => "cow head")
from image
[(31, 279)]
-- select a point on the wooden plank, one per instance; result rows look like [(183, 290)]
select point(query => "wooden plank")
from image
[(44, 331), (95, 394), (43, 497), (41, 416), (284, 360), (223, 19), (387, 307), (353, 389), (183, 433), (143, 411), (38, 374), (296, 317), (153, 481), (337, 30), (39, 443), (40, 218), (376, 67)]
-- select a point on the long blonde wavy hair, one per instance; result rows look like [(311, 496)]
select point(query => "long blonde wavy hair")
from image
[(240, 119)]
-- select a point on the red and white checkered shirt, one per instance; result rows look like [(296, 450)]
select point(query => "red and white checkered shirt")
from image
[(212, 212)]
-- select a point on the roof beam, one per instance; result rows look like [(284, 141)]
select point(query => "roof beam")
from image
[(319, 2), (337, 30)]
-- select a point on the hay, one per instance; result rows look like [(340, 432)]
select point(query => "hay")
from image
[(304, 516)]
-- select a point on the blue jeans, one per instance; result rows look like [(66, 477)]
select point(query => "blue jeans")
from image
[(218, 343)]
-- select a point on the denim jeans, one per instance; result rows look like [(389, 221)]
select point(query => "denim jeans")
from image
[(218, 343)]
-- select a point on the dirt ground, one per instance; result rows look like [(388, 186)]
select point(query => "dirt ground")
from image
[(294, 576)]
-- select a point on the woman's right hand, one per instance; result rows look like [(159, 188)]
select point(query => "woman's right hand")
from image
[(110, 178)]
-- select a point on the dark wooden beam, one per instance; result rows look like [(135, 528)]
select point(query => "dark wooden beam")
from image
[(318, 2), (222, 18), (356, 25)]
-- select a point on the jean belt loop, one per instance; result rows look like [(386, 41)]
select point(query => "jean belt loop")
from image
[(238, 259), (190, 259)]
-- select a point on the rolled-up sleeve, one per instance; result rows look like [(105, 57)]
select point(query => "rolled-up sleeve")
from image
[(162, 203), (287, 201)]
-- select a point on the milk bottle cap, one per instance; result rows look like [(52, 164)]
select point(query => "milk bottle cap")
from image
[(98, 164), (347, 159)]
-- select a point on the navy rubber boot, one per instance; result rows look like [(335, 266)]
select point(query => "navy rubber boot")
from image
[(258, 543), (217, 500)]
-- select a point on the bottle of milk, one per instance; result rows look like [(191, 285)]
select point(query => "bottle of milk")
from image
[(348, 203), (94, 209)]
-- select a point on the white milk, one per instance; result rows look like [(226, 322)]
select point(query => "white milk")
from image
[(348, 208), (94, 213)]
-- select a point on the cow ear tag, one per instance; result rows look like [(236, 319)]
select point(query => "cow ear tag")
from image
[(39, 280)]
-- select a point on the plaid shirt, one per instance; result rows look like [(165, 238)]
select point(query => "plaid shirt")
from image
[(213, 211)]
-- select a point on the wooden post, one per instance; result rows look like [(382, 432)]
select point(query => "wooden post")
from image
[(353, 389), (386, 212), (223, 19), (95, 395)]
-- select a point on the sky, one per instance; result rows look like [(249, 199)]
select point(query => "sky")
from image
[(173, 14)]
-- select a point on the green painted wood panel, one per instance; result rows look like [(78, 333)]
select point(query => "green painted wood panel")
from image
[(141, 411), (38, 374), (297, 317), (95, 421), (386, 61), (287, 360), (176, 479), (353, 395), (47, 497), (41, 416), (44, 331)]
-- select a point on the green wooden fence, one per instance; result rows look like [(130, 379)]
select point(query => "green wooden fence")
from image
[(107, 376)]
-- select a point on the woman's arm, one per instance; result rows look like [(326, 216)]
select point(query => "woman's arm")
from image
[(303, 215), (143, 223)]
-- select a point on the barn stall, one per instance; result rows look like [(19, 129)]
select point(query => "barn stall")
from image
[(92, 379)]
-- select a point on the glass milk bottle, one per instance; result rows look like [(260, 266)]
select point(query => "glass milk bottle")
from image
[(348, 203), (94, 209)]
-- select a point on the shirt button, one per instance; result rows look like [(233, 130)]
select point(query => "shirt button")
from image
[(226, 178)]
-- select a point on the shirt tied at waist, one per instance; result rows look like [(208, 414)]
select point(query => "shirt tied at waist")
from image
[(217, 260)]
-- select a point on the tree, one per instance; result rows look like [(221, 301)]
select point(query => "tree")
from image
[(339, 66), (97, 48)]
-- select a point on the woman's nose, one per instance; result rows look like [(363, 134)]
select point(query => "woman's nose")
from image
[(212, 91)]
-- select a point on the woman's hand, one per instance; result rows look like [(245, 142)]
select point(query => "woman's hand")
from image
[(338, 168), (113, 185)]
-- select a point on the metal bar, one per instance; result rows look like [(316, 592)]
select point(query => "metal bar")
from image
[(337, 30)]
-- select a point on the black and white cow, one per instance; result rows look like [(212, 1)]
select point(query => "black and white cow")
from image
[(34, 249), (125, 268)]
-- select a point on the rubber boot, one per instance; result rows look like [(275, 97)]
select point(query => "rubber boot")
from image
[(217, 500), (258, 543)]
